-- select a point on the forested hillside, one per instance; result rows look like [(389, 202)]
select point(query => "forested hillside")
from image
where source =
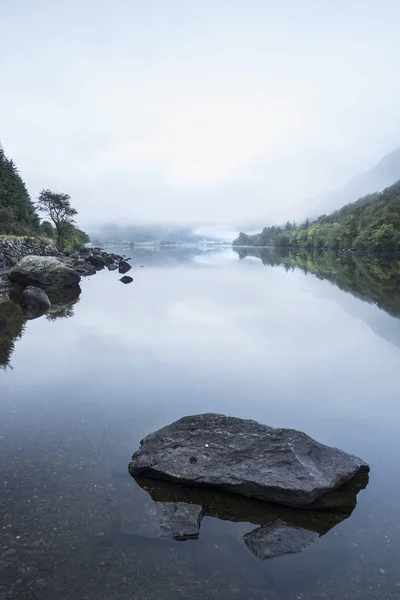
[(17, 212), (371, 223)]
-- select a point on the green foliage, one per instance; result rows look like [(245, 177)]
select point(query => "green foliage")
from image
[(17, 212), (371, 223), (18, 216), (75, 238), (60, 211), (47, 229)]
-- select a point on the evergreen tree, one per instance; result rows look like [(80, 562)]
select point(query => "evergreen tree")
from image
[(17, 212)]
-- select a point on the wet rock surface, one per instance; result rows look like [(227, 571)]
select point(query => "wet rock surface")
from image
[(242, 456), (277, 539), (280, 529)]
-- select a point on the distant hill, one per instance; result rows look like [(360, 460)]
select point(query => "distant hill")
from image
[(151, 234), (371, 223), (382, 175)]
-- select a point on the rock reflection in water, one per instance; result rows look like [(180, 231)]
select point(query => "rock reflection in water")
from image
[(13, 319), (280, 530)]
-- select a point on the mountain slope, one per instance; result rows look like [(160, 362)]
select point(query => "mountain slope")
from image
[(371, 223), (384, 174)]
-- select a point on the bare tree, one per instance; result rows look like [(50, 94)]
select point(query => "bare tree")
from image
[(59, 210)]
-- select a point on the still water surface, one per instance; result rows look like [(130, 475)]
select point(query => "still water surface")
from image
[(197, 331)]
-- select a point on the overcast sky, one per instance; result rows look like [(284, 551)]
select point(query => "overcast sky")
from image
[(197, 111)]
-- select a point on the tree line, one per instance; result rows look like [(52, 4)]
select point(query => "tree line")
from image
[(19, 215), (372, 223)]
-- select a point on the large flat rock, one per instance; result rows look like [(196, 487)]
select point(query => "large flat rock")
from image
[(46, 272), (242, 456)]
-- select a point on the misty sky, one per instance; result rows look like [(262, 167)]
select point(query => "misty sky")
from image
[(197, 111)]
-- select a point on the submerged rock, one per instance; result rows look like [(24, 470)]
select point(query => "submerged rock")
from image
[(278, 538), (34, 302), (126, 279), (46, 272), (178, 521), (242, 456), (124, 267), (280, 529)]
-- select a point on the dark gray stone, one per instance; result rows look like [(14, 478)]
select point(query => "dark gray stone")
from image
[(177, 521), (278, 538), (124, 267), (84, 268), (112, 267), (242, 456), (34, 302), (46, 272), (126, 279), (96, 260)]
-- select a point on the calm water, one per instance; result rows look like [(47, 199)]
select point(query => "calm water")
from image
[(260, 337)]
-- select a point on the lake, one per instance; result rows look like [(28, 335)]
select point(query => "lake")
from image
[(307, 342)]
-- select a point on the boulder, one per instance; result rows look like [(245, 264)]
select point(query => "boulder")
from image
[(284, 466), (124, 267), (126, 279), (46, 272), (96, 260), (34, 302), (84, 268)]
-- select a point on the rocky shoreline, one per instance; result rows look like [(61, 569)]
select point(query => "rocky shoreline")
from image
[(37, 279), (85, 262)]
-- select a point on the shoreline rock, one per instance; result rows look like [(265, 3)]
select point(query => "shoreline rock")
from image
[(46, 272), (86, 259), (124, 267), (126, 279), (283, 466)]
